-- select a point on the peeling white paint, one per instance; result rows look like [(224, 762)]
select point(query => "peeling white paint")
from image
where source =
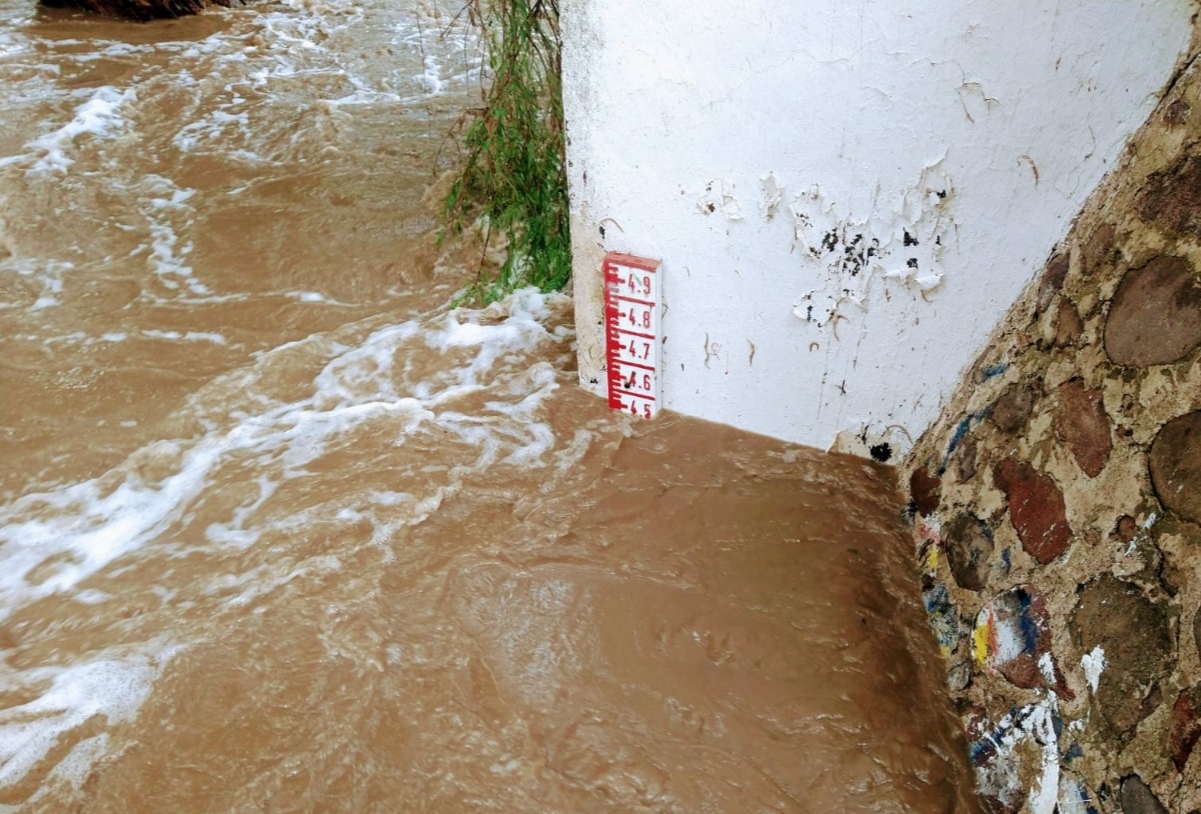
[(900, 238), (1093, 662), (859, 190), (719, 198), (773, 193)]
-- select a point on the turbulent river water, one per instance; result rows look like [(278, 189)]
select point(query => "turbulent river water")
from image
[(281, 531)]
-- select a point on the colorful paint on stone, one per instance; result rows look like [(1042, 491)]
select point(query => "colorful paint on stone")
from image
[(1012, 637)]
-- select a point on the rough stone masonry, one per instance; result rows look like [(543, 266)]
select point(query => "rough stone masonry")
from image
[(1057, 504)]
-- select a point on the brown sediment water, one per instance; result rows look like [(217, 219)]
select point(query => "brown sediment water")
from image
[(283, 532)]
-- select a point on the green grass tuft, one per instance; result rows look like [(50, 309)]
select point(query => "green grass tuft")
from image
[(514, 174)]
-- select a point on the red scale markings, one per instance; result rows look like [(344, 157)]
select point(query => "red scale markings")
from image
[(632, 301)]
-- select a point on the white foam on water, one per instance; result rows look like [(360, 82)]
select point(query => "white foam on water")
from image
[(91, 596), (368, 393), (48, 300), (117, 49), (113, 337), (99, 117), (430, 79), (73, 338), (83, 527), (54, 541), (452, 56), (365, 96), (48, 275), (11, 44), (249, 441), (237, 532), (312, 40), (314, 296), (309, 24), (168, 214), (234, 592), (213, 130), (182, 297), (108, 49), (65, 699), (187, 336)]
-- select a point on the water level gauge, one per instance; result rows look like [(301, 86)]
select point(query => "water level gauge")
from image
[(633, 295)]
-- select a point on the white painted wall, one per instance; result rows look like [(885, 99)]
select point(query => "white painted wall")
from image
[(749, 144)]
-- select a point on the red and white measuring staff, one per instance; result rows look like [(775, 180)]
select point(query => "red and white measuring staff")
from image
[(633, 297)]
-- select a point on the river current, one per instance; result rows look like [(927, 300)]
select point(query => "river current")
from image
[(282, 531)]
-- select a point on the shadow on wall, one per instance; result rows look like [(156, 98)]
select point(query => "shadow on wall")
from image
[(1057, 504)]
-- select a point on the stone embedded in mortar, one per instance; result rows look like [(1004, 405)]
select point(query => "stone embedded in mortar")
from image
[(1126, 528), (1136, 638), (1155, 315), (1083, 425), (969, 546), (1173, 558), (941, 614), (1173, 197), (1068, 325), (959, 677), (1012, 636), (1098, 248), (1052, 280), (1137, 798), (966, 467), (1151, 702), (1175, 464), (1011, 411), (1197, 631), (1036, 509), (1176, 113), (1186, 726), (923, 491)]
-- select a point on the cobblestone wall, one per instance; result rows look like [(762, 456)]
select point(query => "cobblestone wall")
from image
[(1057, 504)]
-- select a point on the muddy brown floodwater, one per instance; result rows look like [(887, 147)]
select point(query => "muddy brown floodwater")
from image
[(283, 532)]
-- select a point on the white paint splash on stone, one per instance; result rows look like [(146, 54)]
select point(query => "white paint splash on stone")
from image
[(1046, 666), (1093, 662), (1041, 726), (1032, 725), (1032, 730)]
